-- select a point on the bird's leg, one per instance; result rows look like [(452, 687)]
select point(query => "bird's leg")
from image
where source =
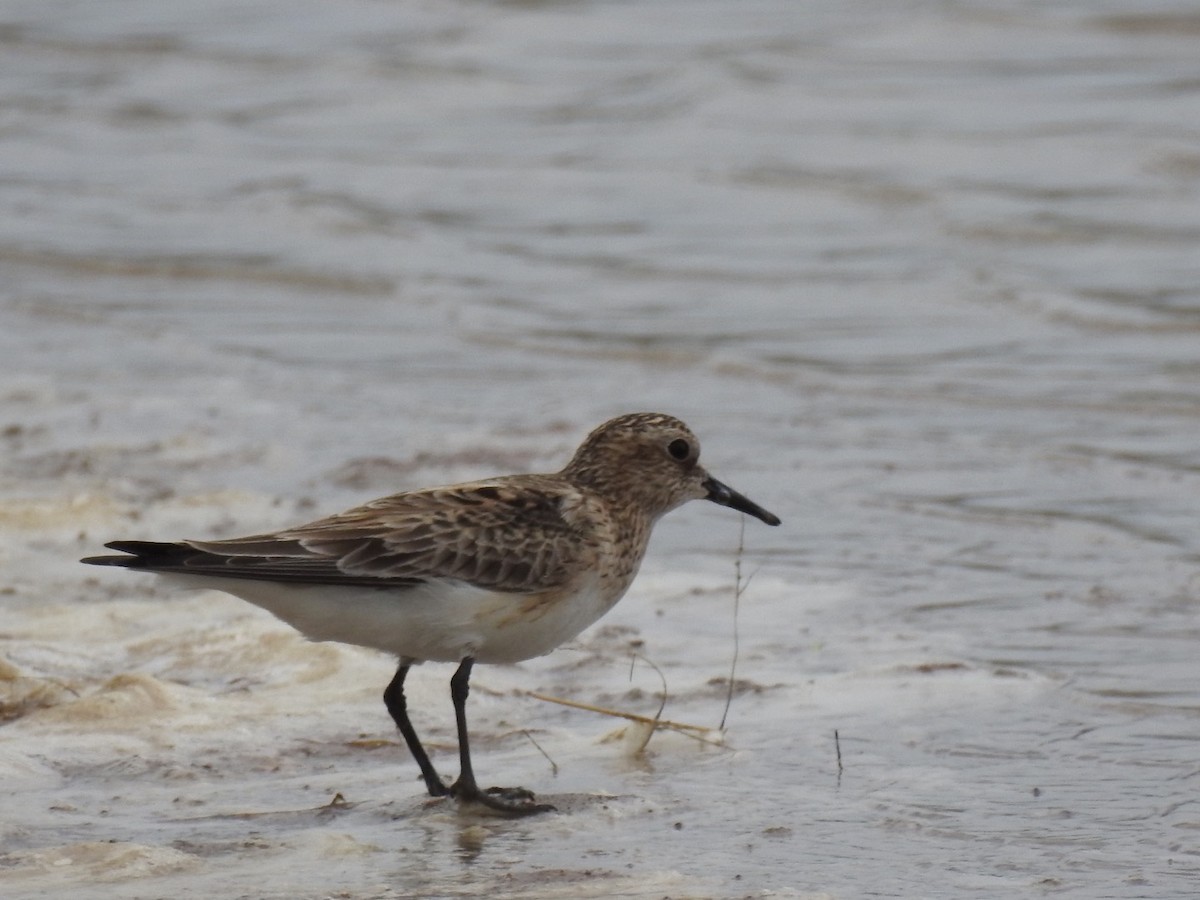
[(393, 697), (513, 801)]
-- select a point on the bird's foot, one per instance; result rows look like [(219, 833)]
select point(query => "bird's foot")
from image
[(512, 801)]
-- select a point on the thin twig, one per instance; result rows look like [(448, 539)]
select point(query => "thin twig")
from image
[(533, 740), (738, 587), (661, 677), (620, 714), (837, 744), (662, 702), (696, 732)]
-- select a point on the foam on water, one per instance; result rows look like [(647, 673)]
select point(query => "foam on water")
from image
[(921, 276)]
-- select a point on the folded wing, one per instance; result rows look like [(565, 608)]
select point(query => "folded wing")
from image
[(488, 534)]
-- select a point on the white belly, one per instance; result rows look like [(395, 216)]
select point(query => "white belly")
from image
[(443, 622)]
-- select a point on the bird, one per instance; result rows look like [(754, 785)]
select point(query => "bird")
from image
[(493, 571)]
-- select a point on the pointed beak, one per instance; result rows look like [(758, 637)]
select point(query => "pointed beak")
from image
[(724, 495)]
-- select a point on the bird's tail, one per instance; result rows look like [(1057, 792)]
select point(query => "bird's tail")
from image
[(142, 555)]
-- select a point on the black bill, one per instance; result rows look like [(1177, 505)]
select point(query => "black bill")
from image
[(724, 495)]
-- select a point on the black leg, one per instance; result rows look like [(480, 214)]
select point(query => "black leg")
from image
[(460, 687), (513, 801), (396, 705)]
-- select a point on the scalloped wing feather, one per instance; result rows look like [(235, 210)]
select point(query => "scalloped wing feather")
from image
[(517, 535)]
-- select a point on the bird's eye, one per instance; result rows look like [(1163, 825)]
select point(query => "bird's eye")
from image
[(679, 449)]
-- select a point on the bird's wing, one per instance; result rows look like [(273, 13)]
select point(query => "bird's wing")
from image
[(506, 537)]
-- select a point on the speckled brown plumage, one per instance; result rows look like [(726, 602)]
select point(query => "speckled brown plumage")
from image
[(497, 570)]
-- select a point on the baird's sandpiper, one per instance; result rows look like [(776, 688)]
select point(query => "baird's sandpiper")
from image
[(491, 571)]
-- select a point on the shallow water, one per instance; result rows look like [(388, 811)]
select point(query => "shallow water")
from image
[(923, 278)]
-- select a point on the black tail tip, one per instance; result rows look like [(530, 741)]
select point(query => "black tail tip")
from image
[(139, 554)]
